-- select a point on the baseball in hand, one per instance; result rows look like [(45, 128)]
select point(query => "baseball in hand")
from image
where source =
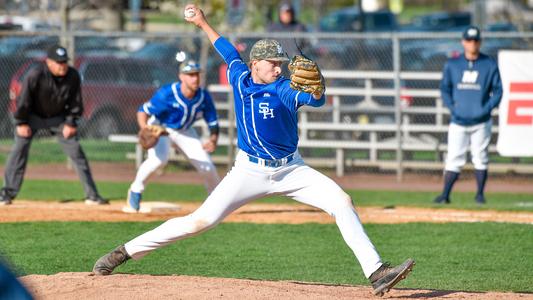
[(189, 13)]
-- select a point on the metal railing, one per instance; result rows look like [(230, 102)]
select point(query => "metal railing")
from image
[(383, 109)]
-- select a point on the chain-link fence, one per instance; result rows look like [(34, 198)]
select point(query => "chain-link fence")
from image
[(383, 111)]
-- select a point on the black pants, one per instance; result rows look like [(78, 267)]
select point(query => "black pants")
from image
[(18, 158)]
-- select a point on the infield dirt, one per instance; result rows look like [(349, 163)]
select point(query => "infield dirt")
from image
[(128, 287)]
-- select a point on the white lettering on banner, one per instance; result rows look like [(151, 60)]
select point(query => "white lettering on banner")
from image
[(265, 109), (516, 107)]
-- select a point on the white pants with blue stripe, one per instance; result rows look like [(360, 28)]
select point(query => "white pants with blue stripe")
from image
[(248, 181), (189, 144), (460, 138)]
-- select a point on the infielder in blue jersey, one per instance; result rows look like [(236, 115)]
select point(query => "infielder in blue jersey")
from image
[(471, 88), (176, 106), (268, 163)]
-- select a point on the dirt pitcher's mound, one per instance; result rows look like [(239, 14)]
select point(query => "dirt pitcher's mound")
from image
[(125, 286), (31, 211)]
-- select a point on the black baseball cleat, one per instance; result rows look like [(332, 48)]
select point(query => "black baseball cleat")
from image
[(384, 278), (441, 200), (96, 201), (5, 199), (107, 263), (480, 199)]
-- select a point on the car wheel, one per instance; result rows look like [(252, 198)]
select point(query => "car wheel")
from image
[(102, 126)]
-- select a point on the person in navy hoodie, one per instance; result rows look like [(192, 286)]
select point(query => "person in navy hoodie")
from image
[(471, 88)]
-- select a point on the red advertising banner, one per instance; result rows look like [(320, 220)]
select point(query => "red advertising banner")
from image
[(516, 108)]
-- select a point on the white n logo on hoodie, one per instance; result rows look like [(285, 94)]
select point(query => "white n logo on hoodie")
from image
[(470, 76)]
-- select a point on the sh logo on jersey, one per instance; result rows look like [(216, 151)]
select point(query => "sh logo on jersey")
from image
[(468, 82), (265, 109)]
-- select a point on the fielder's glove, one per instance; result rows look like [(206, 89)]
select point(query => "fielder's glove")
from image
[(306, 76), (149, 135)]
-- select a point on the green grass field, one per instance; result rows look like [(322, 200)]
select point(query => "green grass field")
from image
[(455, 256), (460, 256), (48, 190)]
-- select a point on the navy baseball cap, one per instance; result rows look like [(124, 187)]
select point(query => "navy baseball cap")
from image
[(58, 53), (190, 66), (472, 33), (286, 7)]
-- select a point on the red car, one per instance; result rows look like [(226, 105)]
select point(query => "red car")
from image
[(112, 90)]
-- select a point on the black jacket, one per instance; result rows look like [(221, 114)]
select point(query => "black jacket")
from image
[(49, 96)]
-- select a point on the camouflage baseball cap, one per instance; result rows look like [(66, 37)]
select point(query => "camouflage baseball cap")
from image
[(268, 50)]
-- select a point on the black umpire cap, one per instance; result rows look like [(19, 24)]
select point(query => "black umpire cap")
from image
[(58, 53)]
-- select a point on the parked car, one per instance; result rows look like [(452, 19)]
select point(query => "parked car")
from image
[(10, 26), (492, 46), (431, 54), (440, 21), (98, 46), (28, 23), (159, 50), (351, 19), (112, 90), (21, 45), (166, 51), (360, 53)]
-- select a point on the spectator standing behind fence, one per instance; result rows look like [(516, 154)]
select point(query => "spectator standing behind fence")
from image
[(288, 23), (50, 99), (176, 106), (471, 88)]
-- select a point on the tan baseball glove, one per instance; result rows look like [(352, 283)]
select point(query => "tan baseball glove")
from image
[(149, 135), (306, 76)]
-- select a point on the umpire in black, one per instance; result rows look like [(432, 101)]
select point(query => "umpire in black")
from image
[(50, 100)]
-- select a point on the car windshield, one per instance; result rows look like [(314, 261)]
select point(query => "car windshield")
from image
[(156, 50), (351, 20), (438, 21), (337, 22), (11, 45), (21, 45), (379, 22)]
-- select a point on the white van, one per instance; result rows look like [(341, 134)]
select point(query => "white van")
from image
[(28, 23)]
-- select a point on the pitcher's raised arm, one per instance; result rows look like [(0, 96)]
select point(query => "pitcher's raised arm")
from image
[(199, 19)]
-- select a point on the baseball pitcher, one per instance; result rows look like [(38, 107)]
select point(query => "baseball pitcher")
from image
[(268, 163)]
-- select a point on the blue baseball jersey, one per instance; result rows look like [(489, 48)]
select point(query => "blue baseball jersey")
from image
[(471, 89), (173, 110), (266, 114)]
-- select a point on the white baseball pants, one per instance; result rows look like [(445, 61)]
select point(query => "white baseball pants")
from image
[(248, 181), (460, 138), (189, 143)]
